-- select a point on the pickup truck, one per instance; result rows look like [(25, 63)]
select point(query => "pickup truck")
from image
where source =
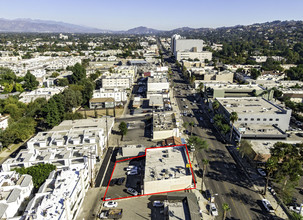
[(111, 214)]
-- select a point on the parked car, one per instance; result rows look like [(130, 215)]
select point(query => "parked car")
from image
[(104, 214), (110, 204), (267, 205), (158, 204), (132, 172), (131, 167), (207, 194), (113, 182), (120, 181), (132, 191), (261, 172), (213, 209)]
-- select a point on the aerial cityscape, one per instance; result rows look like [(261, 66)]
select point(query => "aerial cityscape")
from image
[(133, 110)]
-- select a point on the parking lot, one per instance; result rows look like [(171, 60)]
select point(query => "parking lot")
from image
[(131, 181)]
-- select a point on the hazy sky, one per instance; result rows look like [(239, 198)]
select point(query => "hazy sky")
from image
[(159, 14)]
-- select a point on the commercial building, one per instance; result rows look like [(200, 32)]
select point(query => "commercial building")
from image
[(179, 43), (180, 205), (14, 189), (157, 84), (211, 75), (257, 117), (165, 125), (225, 90), (166, 169), (61, 196), (201, 56), (68, 144)]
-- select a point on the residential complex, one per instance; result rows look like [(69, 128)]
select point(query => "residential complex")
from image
[(66, 145), (14, 190), (61, 195)]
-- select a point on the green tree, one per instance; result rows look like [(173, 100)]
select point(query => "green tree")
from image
[(226, 209), (8, 87), (14, 111), (38, 172), (52, 115), (18, 87), (201, 87), (191, 124), (30, 82), (79, 73), (55, 74), (245, 148), (216, 105), (254, 73), (185, 125), (63, 82), (270, 167), (289, 167), (197, 143), (123, 129), (71, 99), (233, 118)]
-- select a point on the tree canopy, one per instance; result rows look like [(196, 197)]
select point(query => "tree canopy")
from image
[(39, 173)]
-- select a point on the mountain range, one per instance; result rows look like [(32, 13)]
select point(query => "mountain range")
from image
[(44, 26)]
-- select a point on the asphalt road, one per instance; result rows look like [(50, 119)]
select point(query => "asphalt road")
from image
[(224, 179)]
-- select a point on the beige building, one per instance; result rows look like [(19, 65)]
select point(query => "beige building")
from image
[(164, 126), (166, 169)]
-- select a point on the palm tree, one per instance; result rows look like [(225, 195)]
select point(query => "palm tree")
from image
[(191, 124), (197, 143), (216, 105), (205, 163), (233, 118), (270, 167), (185, 125), (201, 86), (226, 209)]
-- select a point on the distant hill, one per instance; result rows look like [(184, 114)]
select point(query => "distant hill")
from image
[(41, 26), (141, 30)]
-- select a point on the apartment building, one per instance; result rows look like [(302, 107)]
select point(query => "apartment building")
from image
[(14, 189), (118, 94), (61, 196), (68, 144), (47, 93)]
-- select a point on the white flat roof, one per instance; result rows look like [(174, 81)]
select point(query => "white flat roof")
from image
[(249, 105), (165, 163)]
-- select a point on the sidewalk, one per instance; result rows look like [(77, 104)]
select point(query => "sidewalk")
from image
[(249, 171), (201, 200)]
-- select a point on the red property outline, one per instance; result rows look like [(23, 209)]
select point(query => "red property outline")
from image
[(104, 197)]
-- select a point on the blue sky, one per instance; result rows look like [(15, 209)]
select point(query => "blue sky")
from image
[(159, 14)]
